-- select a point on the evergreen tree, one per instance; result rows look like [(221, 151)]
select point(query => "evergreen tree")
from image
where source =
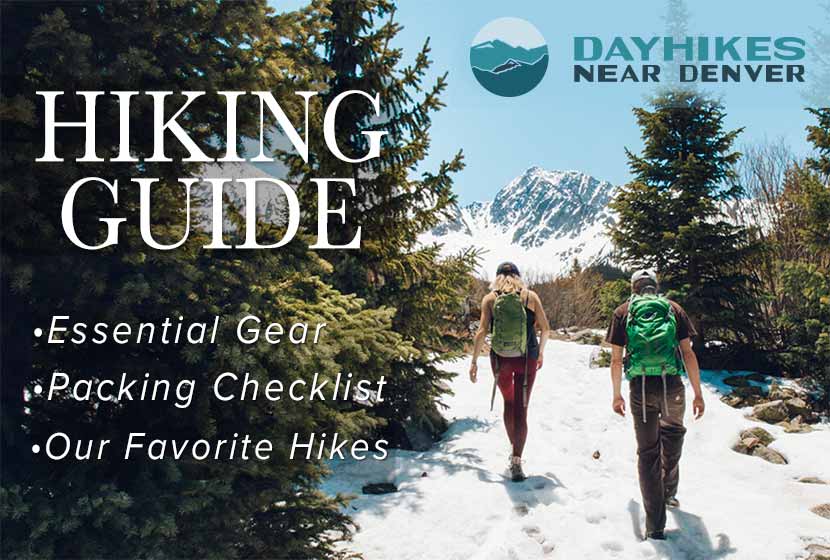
[(143, 508), (670, 216), (805, 316), (819, 135), (392, 205), (612, 294), (676, 20)]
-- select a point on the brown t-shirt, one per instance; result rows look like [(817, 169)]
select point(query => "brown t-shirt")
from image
[(617, 336)]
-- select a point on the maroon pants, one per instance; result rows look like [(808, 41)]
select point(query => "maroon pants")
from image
[(511, 373)]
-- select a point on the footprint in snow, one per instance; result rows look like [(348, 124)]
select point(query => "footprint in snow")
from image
[(595, 517), (612, 546), (521, 509), (534, 532)]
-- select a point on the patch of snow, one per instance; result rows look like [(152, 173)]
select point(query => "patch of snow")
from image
[(574, 506)]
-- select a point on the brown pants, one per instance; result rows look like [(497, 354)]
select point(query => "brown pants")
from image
[(659, 442)]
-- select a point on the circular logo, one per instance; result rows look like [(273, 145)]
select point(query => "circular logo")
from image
[(509, 57)]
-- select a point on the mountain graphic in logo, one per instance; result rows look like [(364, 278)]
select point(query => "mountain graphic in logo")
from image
[(509, 57)]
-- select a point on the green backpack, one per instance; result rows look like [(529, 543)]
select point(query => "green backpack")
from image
[(509, 338), (651, 328)]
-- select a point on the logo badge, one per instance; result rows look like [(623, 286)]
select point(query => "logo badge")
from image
[(509, 57)]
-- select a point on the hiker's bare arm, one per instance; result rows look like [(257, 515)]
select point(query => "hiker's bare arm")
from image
[(543, 326), (693, 371), (481, 334), (618, 402)]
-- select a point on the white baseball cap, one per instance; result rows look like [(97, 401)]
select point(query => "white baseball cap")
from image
[(643, 274)]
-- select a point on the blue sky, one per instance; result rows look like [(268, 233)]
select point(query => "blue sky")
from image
[(564, 125)]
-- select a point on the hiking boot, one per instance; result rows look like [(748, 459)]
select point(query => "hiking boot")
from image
[(672, 502), (516, 472), (656, 536)]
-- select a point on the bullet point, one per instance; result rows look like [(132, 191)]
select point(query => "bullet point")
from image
[(35, 448), (38, 332), (38, 389)]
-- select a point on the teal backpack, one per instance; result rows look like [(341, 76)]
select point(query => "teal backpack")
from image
[(651, 329), (509, 336)]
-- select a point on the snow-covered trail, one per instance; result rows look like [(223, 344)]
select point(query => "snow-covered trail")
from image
[(454, 501)]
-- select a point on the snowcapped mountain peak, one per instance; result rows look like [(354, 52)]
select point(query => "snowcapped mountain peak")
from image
[(540, 205), (554, 215)]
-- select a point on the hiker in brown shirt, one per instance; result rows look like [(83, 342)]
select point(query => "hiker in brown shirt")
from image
[(658, 400)]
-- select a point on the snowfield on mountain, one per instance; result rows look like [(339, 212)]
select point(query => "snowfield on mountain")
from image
[(454, 501), (541, 220)]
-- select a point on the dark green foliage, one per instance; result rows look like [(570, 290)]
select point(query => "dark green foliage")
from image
[(793, 268), (671, 215), (612, 294), (603, 359), (142, 508), (393, 205), (816, 194), (806, 322), (804, 319), (610, 272), (819, 135)]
